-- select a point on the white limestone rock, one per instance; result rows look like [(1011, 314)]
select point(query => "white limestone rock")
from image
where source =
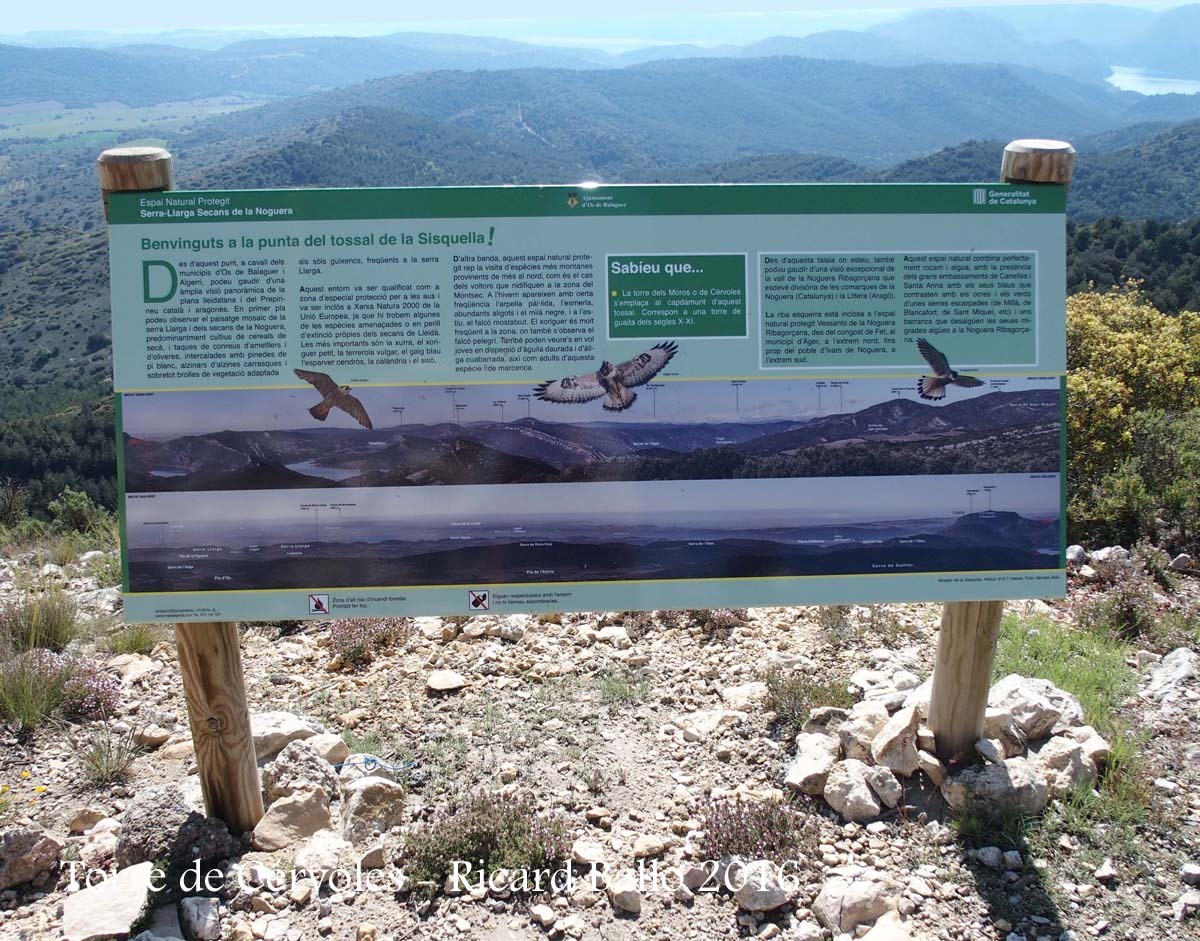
[(1017, 782), (273, 730), (883, 782), (865, 721), (854, 895), (762, 888), (1066, 766), (290, 819), (815, 757), (111, 908), (1168, 676), (848, 791), (372, 804), (895, 745)]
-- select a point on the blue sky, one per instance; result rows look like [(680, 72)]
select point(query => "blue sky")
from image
[(170, 414), (625, 23)]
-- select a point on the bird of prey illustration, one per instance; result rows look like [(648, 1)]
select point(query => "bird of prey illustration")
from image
[(612, 382), (934, 387), (333, 396)]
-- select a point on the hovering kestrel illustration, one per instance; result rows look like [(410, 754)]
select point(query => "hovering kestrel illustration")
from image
[(934, 387), (612, 382), (333, 396)]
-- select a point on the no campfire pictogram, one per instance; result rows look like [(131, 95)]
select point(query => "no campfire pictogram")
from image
[(477, 600), (318, 604)]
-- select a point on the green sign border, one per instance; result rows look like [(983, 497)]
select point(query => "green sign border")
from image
[(300, 205)]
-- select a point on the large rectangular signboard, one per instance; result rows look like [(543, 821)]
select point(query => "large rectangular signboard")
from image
[(436, 401)]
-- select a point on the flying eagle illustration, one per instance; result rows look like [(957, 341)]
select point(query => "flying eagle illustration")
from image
[(334, 396), (934, 387), (612, 382)]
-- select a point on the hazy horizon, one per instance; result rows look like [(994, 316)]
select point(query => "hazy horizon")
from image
[(626, 27)]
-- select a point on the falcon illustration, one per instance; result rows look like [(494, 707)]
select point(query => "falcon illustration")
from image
[(934, 387), (610, 381), (334, 396)]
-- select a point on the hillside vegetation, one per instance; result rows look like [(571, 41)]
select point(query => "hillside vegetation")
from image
[(729, 118), (1162, 187), (1164, 259), (685, 112), (1133, 421)]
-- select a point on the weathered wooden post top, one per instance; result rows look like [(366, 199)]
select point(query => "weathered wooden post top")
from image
[(1038, 161), (134, 170)]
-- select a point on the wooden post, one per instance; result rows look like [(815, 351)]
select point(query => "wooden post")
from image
[(967, 641), (1038, 161), (134, 170), (210, 659), (963, 674)]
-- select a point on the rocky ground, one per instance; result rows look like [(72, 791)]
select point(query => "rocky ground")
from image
[(625, 729)]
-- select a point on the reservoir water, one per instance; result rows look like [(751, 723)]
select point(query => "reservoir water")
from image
[(1147, 83)]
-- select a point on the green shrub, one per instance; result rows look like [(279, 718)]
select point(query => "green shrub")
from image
[(836, 624), (985, 823), (134, 638), (32, 688), (1178, 627), (623, 686), (75, 511), (1156, 563), (106, 570), (884, 621), (48, 618), (366, 742), (792, 695), (13, 503), (1133, 428), (1127, 609), (489, 831), (1094, 668), (39, 683), (64, 550), (108, 756), (1151, 494), (27, 532)]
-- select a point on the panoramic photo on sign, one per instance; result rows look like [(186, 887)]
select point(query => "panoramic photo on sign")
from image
[(439, 401)]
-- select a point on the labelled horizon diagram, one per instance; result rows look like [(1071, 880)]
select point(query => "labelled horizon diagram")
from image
[(648, 530), (265, 439)]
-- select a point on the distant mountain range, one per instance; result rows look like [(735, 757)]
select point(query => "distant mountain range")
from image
[(177, 66), (531, 451), (680, 113), (893, 103), (1164, 187)]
